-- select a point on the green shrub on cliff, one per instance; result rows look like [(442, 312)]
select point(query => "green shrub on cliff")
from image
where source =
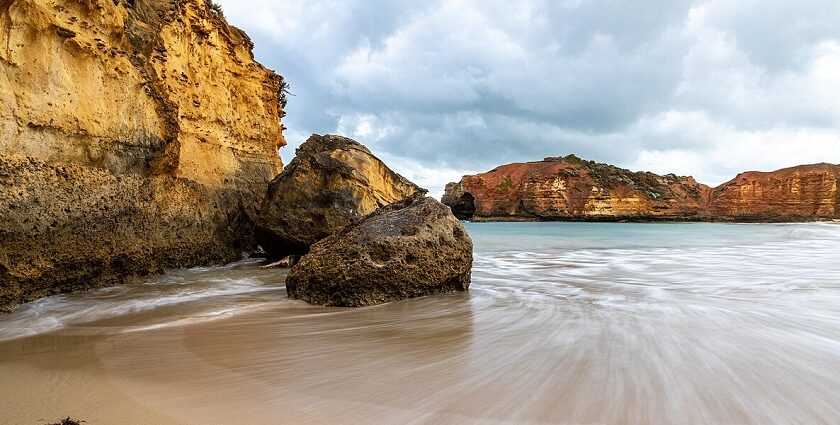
[(506, 183), (215, 9), (282, 91)]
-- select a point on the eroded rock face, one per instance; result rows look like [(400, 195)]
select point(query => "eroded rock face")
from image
[(331, 182), (147, 86), (134, 136), (408, 249), (803, 193), (573, 189)]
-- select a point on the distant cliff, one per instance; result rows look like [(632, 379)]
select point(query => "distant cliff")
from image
[(803, 193), (569, 188), (135, 135)]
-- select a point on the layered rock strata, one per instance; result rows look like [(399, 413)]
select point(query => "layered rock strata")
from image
[(134, 136), (331, 182), (803, 193), (568, 188), (573, 189), (408, 249)]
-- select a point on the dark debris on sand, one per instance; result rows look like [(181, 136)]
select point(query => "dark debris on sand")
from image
[(68, 421)]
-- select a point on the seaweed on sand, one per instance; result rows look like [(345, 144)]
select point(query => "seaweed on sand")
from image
[(68, 421)]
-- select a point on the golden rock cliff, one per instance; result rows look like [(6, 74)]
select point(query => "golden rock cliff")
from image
[(134, 136)]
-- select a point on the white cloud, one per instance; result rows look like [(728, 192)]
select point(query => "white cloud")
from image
[(719, 151), (363, 127)]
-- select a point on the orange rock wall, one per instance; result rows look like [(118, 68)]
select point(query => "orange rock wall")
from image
[(807, 192), (573, 189)]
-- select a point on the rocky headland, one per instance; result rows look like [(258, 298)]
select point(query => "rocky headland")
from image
[(803, 193), (135, 136), (569, 188)]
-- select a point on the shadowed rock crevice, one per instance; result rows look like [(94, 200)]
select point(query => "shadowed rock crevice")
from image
[(464, 207)]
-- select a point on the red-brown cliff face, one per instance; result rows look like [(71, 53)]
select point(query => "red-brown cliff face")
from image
[(573, 189), (803, 193)]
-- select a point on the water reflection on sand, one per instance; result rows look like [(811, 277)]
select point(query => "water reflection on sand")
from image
[(566, 323)]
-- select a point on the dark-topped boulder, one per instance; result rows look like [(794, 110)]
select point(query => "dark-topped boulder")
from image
[(408, 249), (331, 182)]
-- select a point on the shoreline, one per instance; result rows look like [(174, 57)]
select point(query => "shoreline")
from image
[(648, 220), (660, 300)]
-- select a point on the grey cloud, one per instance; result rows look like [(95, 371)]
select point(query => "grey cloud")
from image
[(468, 85)]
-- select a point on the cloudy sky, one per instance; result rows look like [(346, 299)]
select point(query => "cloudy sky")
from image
[(439, 89)]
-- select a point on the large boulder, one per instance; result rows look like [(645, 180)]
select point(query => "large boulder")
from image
[(411, 248), (331, 182)]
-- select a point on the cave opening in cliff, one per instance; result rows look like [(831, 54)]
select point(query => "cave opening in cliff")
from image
[(464, 209)]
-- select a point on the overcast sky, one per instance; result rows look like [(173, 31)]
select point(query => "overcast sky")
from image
[(439, 89)]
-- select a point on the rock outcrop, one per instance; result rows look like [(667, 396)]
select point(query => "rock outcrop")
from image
[(804, 193), (134, 136), (573, 189), (331, 182), (411, 248)]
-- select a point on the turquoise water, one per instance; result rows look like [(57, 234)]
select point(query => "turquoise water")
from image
[(555, 235), (565, 323)]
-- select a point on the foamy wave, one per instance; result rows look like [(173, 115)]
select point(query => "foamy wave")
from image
[(220, 288)]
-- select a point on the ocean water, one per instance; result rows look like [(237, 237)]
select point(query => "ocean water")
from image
[(565, 323)]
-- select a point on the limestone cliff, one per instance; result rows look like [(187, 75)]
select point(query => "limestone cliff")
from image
[(134, 135), (572, 189)]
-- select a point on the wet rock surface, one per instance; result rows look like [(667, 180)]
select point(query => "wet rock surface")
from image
[(411, 248), (68, 227), (331, 182)]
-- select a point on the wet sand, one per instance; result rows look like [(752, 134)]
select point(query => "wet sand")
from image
[(561, 327)]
